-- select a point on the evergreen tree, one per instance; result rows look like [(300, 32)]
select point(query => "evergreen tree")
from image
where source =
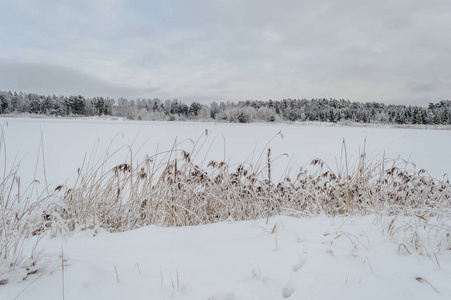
[(437, 118), (418, 117), (445, 116), (34, 104), (3, 104), (194, 109)]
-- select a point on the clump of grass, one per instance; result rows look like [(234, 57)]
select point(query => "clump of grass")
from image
[(176, 188), (170, 189), (178, 285), (24, 215)]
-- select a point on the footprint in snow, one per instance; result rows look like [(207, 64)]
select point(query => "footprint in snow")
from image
[(288, 290), (301, 261), (300, 239)]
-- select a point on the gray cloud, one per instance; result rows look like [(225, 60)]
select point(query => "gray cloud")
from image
[(389, 51), (51, 79)]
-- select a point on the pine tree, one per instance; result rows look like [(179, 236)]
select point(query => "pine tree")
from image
[(437, 118), (3, 104), (445, 116), (419, 117)]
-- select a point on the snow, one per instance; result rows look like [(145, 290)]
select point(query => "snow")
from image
[(296, 258), (66, 141), (302, 258)]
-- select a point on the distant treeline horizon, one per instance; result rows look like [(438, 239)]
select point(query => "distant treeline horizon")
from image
[(322, 109)]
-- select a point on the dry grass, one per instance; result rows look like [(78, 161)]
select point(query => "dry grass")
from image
[(174, 188), (24, 215), (170, 189)]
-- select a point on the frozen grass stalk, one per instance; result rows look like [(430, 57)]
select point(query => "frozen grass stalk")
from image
[(170, 188), (25, 215)]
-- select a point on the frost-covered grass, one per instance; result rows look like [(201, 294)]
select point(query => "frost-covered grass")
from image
[(171, 189), (25, 212), (67, 141), (118, 190)]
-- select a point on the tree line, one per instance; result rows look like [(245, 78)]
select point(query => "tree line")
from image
[(324, 110)]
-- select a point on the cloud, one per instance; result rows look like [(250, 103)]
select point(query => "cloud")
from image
[(389, 51), (51, 79)]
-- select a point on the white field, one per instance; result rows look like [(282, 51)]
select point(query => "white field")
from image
[(305, 258), (67, 141)]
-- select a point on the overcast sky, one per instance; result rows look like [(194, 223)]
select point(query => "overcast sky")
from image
[(387, 51)]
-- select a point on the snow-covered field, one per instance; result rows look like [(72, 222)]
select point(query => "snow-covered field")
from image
[(309, 258), (297, 258), (67, 141)]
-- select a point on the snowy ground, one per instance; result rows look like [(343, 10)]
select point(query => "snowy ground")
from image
[(305, 258), (67, 141)]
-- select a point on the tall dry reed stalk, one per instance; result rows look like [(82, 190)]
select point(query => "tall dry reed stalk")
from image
[(24, 215), (170, 189), (176, 188)]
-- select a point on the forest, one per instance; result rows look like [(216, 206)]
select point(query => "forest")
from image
[(294, 110)]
